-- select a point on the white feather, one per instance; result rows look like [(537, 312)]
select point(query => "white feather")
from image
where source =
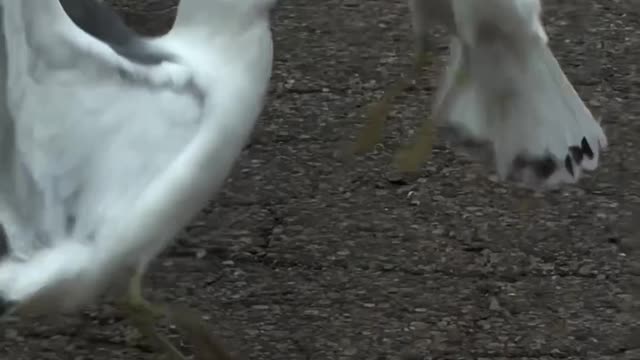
[(133, 151)]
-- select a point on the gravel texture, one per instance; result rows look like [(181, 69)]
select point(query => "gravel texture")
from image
[(307, 256)]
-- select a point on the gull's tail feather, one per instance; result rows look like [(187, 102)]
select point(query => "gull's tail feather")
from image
[(509, 92)]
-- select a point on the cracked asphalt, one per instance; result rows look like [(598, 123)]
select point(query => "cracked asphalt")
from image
[(307, 256)]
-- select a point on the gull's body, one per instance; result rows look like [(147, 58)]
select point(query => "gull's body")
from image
[(504, 90), (110, 142)]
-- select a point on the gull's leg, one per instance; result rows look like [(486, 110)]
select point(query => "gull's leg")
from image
[(205, 346), (377, 112), (376, 117), (419, 149), (137, 299), (143, 315), (424, 49)]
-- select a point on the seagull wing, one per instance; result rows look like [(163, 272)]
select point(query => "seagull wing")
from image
[(123, 138), (505, 88)]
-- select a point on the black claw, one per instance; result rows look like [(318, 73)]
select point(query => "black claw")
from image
[(576, 153), (568, 164), (586, 148), (544, 167)]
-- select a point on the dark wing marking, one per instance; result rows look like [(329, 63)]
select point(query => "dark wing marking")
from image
[(102, 22)]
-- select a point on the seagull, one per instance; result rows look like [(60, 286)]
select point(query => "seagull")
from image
[(503, 92), (111, 142)]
